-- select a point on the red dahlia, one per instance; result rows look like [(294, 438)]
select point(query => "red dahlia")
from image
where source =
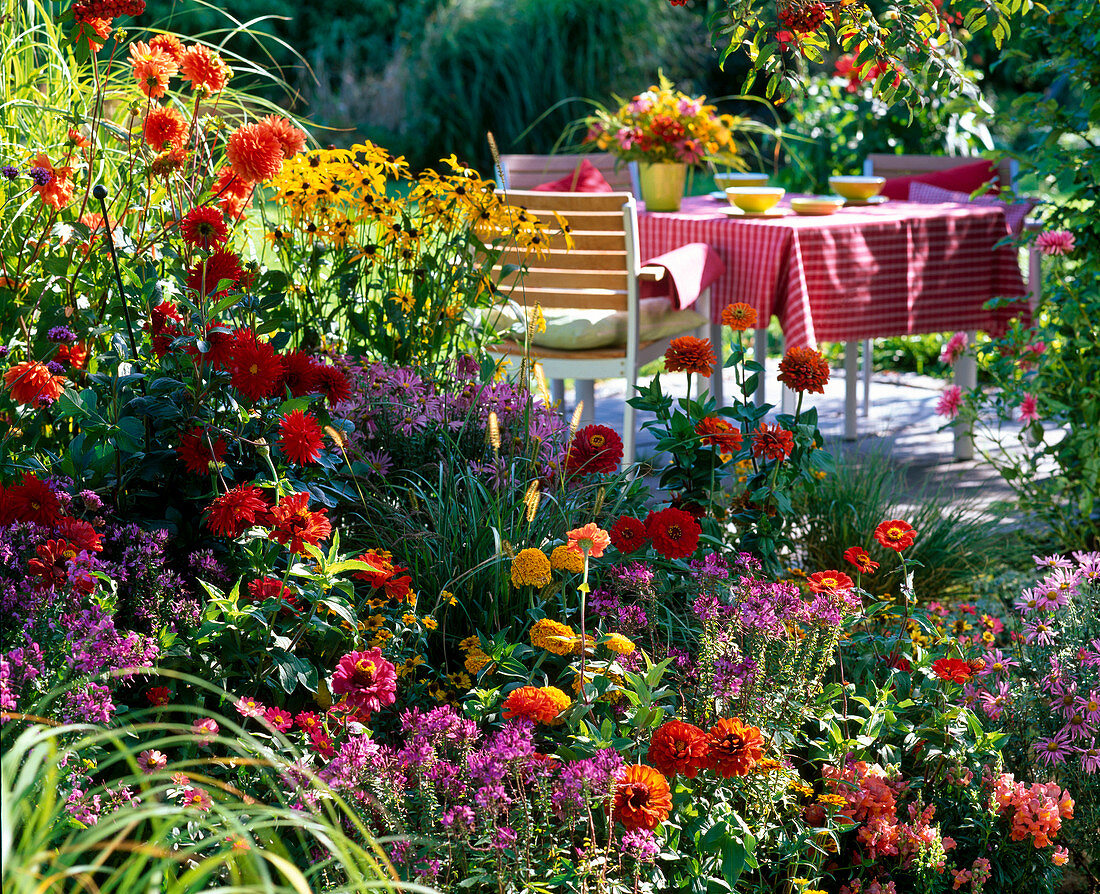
[(232, 513), (197, 450), (204, 227), (772, 442), (255, 369), (34, 501), (895, 534), (300, 437), (294, 524), (829, 582), (679, 747), (333, 383), (674, 533), (628, 534), (857, 555), (596, 449), (300, 374), (208, 274)]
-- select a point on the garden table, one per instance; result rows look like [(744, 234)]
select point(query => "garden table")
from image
[(897, 268)]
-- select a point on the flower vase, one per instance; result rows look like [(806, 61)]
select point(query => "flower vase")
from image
[(662, 184)]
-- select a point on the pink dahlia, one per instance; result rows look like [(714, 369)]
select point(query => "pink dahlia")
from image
[(948, 404), (954, 347), (366, 680), (1055, 242), (1029, 409)]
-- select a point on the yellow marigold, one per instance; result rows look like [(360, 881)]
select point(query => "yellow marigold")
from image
[(619, 644), (552, 636), (530, 568), (832, 800), (471, 642), (476, 659), (564, 559), (560, 699)]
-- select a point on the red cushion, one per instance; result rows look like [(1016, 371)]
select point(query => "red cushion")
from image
[(585, 178), (964, 178)]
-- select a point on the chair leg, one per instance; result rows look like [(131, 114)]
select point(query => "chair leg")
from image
[(760, 355), (586, 394), (717, 387), (629, 434), (851, 421), (1034, 278), (868, 369), (557, 393)]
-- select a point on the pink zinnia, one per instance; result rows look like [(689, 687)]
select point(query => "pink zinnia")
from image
[(366, 680), (1029, 409), (955, 346), (1055, 242), (948, 404)]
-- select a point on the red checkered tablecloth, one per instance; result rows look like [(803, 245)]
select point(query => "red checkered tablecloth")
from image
[(893, 269)]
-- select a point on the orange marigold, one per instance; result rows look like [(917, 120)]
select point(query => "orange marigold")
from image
[(804, 369), (31, 382), (739, 316), (642, 797), (254, 153), (691, 355), (734, 747), (531, 703), (204, 68)]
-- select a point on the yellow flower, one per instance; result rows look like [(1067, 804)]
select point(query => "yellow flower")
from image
[(470, 643), (560, 699), (619, 644), (409, 665), (460, 680), (448, 597), (476, 660), (832, 800), (552, 636), (530, 568), (589, 644), (429, 623), (564, 559), (409, 618)]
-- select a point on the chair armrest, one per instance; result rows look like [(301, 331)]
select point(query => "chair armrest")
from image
[(652, 274)]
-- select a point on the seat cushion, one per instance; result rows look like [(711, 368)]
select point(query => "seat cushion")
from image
[(585, 178), (962, 178), (1015, 212), (583, 330)]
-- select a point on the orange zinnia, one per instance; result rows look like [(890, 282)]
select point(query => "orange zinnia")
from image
[(532, 703), (31, 382), (691, 355), (719, 433), (642, 797), (589, 539), (895, 534), (804, 369), (679, 747), (734, 747), (739, 316)]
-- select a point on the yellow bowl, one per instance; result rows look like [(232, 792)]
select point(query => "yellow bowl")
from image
[(755, 199), (722, 181), (858, 188), (816, 205)]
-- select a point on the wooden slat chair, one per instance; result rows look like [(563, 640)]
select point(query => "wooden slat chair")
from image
[(525, 172), (600, 272), (887, 165)]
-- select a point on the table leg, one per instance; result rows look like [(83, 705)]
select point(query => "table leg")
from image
[(586, 392), (868, 370), (966, 377), (717, 387), (851, 384), (557, 394), (760, 355)]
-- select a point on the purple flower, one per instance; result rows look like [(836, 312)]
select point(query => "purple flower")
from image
[(1054, 749), (640, 844), (40, 176), (457, 818), (10, 172), (503, 838), (1052, 562), (61, 334), (1039, 631)]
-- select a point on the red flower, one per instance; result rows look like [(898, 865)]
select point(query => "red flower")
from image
[(300, 437), (829, 582), (168, 43), (232, 513), (857, 555), (57, 192), (290, 137), (51, 562), (80, 534), (165, 326), (34, 501), (596, 449), (674, 533), (197, 451), (31, 382), (204, 68), (204, 227), (280, 719), (739, 316), (366, 680), (152, 69), (207, 274), (691, 355), (333, 384), (164, 128), (158, 695), (254, 152), (734, 747), (384, 575), (679, 747), (804, 369), (628, 534), (233, 194), (294, 524), (772, 442), (255, 369), (954, 669), (531, 703), (719, 433), (300, 373), (896, 535), (642, 797), (264, 588)]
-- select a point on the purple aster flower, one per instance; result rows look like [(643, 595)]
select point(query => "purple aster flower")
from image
[(1090, 759), (40, 176), (1054, 749), (378, 462), (1040, 631), (995, 702), (1052, 562), (1090, 705)]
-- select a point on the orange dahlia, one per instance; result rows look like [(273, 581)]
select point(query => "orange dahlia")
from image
[(642, 797), (168, 44), (679, 747), (734, 747), (164, 127), (56, 192), (204, 68), (232, 193), (254, 153), (739, 316), (31, 382), (896, 534), (804, 369), (531, 703), (290, 137), (719, 433), (691, 355), (152, 68)]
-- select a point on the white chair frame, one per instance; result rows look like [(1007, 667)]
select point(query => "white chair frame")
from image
[(602, 271)]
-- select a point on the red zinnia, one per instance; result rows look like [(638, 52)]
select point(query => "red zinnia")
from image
[(366, 680), (596, 449), (674, 533), (691, 355), (333, 384), (642, 797), (290, 137), (857, 555), (80, 534), (164, 128), (719, 433), (772, 442), (804, 369), (34, 501), (294, 524), (197, 451), (264, 588), (300, 437), (31, 382), (158, 696), (829, 582), (628, 534), (734, 747), (954, 669), (254, 152), (255, 369), (280, 719), (204, 227), (895, 534), (204, 68), (300, 374), (679, 747), (232, 513), (383, 574), (209, 273)]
